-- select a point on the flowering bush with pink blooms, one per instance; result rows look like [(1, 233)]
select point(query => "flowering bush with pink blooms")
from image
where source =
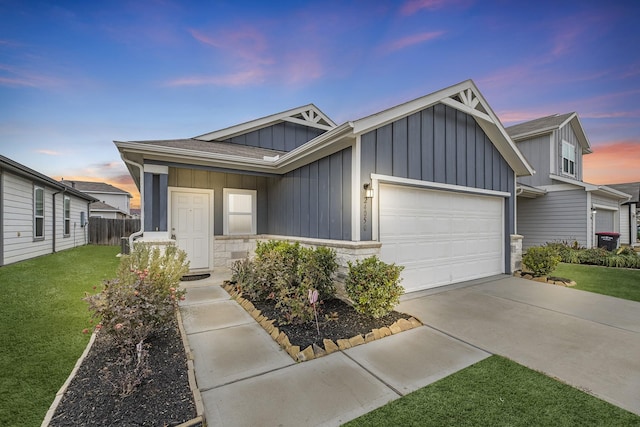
[(141, 300)]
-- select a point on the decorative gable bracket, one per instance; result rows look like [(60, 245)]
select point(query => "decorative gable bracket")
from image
[(469, 102), (310, 117)]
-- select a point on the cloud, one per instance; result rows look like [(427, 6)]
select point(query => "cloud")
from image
[(411, 40), (17, 77), (244, 78), (48, 152), (613, 162), (413, 6)]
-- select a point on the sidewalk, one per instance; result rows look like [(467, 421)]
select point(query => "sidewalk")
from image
[(247, 380)]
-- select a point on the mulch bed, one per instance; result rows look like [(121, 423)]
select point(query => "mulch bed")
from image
[(338, 320), (163, 399)]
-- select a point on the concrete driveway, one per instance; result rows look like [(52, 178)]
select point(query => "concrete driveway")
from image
[(587, 340)]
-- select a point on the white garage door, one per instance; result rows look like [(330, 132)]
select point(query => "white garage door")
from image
[(440, 237), (605, 221)]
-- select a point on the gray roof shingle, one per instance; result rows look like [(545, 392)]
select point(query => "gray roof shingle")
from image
[(631, 188), (214, 147), (543, 123), (93, 187)]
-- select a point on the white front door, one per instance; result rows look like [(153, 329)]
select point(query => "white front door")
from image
[(190, 224), (441, 237)]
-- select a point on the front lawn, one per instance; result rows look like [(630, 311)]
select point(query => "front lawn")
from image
[(41, 323), (615, 282), (497, 392)]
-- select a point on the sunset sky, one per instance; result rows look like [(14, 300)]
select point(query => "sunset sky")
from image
[(74, 76)]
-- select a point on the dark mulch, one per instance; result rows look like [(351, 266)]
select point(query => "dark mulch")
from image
[(163, 399), (337, 320)]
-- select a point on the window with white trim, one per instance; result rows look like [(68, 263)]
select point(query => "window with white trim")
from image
[(568, 158), (38, 212), (67, 216), (239, 211)]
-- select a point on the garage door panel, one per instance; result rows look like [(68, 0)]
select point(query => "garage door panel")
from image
[(440, 237)]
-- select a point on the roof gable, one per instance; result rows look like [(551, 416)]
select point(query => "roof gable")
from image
[(464, 97), (307, 115), (548, 124)]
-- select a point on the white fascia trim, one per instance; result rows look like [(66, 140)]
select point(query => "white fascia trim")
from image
[(242, 128), (386, 179), (573, 181), (613, 192), (159, 169), (560, 187), (356, 191), (605, 207)]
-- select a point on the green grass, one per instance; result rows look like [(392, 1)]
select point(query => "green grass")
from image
[(616, 282), (497, 392), (41, 320)]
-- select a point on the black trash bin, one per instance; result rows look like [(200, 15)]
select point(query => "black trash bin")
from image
[(608, 240)]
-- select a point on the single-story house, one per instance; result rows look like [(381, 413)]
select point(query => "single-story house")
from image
[(429, 184), (629, 213), (112, 202), (38, 215), (555, 204)]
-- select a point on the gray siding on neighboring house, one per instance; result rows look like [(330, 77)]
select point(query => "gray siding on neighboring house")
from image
[(217, 181), (566, 133), (556, 216), (283, 136), (606, 220), (314, 200), (537, 151), (438, 144)]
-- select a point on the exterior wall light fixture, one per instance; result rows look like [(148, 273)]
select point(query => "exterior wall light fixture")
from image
[(368, 191)]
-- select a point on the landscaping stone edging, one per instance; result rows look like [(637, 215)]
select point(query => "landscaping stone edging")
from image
[(314, 351), (191, 375), (546, 279), (60, 394)]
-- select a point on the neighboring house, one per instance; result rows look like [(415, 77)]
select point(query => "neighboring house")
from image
[(555, 204), (428, 184), (112, 201), (38, 215), (629, 213)]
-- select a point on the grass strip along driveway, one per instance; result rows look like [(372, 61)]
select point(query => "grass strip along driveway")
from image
[(616, 282), (41, 323), (497, 392)]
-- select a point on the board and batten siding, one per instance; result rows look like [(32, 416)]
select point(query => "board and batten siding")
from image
[(438, 144), (314, 200), (537, 151), (283, 136), (556, 216), (217, 181)]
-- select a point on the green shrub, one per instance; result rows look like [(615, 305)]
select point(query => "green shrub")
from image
[(567, 252), (316, 269), (140, 301), (373, 286), (541, 260), (593, 256), (285, 272)]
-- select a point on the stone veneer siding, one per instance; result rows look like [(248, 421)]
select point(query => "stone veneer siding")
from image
[(516, 252)]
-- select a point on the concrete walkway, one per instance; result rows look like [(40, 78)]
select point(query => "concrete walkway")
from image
[(586, 340)]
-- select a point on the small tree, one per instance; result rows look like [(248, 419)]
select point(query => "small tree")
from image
[(374, 286)]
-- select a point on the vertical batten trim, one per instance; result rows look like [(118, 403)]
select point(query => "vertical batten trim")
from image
[(356, 163)]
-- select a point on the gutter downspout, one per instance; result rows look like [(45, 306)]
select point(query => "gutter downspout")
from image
[(53, 240), (141, 231)]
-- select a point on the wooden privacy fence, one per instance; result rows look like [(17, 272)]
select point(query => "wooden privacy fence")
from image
[(106, 231)]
